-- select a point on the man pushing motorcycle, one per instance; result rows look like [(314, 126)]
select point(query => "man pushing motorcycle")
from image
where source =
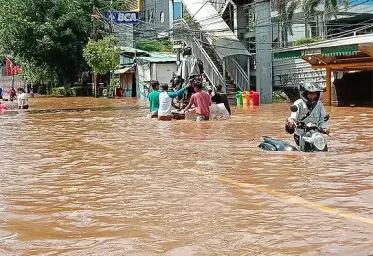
[(309, 110)]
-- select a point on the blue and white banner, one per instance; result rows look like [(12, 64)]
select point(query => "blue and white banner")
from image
[(123, 17)]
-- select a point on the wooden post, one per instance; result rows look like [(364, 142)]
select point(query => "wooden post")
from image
[(328, 93)]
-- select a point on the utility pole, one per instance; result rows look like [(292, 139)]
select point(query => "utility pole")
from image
[(263, 39), (95, 38)]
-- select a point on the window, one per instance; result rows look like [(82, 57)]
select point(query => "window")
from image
[(177, 10), (162, 17)]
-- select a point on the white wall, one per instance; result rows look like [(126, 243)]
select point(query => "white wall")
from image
[(163, 71), (155, 71), (299, 31), (142, 79)]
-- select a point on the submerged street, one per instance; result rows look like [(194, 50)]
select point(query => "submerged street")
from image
[(101, 179)]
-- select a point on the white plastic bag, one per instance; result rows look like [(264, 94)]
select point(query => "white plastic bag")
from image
[(190, 115), (218, 111)]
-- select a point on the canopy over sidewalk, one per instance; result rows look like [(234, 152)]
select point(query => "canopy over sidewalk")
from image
[(344, 54)]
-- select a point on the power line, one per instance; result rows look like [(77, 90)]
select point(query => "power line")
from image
[(215, 16), (175, 30)]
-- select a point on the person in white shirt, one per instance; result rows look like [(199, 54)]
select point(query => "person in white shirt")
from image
[(22, 99), (310, 110), (165, 102)]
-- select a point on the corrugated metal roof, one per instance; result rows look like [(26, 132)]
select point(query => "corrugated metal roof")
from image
[(125, 49), (157, 58), (361, 39), (123, 70)]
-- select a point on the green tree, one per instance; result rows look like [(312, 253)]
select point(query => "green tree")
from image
[(47, 33), (123, 5), (102, 55), (34, 74), (285, 11), (330, 9), (48, 36), (153, 45)]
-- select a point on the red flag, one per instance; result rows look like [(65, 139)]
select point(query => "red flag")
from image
[(9, 67), (19, 69)]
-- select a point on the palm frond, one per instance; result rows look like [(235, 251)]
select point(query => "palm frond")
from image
[(331, 8), (290, 15), (309, 7), (346, 3)]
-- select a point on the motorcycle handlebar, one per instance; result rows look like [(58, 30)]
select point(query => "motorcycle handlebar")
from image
[(302, 125)]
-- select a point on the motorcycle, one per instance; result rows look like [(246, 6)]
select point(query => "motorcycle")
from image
[(312, 140)]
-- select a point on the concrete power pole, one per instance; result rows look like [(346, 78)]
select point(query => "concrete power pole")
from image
[(263, 38), (95, 37)]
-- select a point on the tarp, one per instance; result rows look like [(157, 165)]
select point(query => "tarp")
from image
[(188, 67), (215, 29), (123, 70)]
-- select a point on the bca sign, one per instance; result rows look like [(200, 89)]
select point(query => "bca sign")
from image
[(123, 17)]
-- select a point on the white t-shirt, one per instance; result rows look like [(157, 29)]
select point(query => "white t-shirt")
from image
[(165, 106), (22, 96)]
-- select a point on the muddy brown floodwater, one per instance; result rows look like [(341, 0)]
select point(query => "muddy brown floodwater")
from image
[(101, 179)]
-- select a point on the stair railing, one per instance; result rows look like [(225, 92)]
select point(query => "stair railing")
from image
[(238, 73), (190, 38)]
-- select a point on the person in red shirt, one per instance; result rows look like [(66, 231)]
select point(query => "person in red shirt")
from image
[(3, 107), (12, 94), (202, 102)]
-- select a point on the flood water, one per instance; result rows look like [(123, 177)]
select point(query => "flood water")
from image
[(101, 179)]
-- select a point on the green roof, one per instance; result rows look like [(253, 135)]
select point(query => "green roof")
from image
[(334, 47), (157, 58), (340, 51), (287, 55)]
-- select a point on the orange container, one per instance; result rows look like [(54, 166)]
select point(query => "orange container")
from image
[(245, 98)]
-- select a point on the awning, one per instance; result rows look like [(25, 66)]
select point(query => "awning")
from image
[(123, 70), (347, 46), (215, 29)]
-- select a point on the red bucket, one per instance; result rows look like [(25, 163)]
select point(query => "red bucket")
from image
[(254, 98)]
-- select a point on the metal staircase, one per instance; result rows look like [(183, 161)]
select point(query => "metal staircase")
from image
[(214, 44), (234, 76)]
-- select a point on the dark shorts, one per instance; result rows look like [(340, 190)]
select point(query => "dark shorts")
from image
[(165, 118)]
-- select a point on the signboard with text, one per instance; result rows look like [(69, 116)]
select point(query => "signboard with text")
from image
[(123, 17)]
